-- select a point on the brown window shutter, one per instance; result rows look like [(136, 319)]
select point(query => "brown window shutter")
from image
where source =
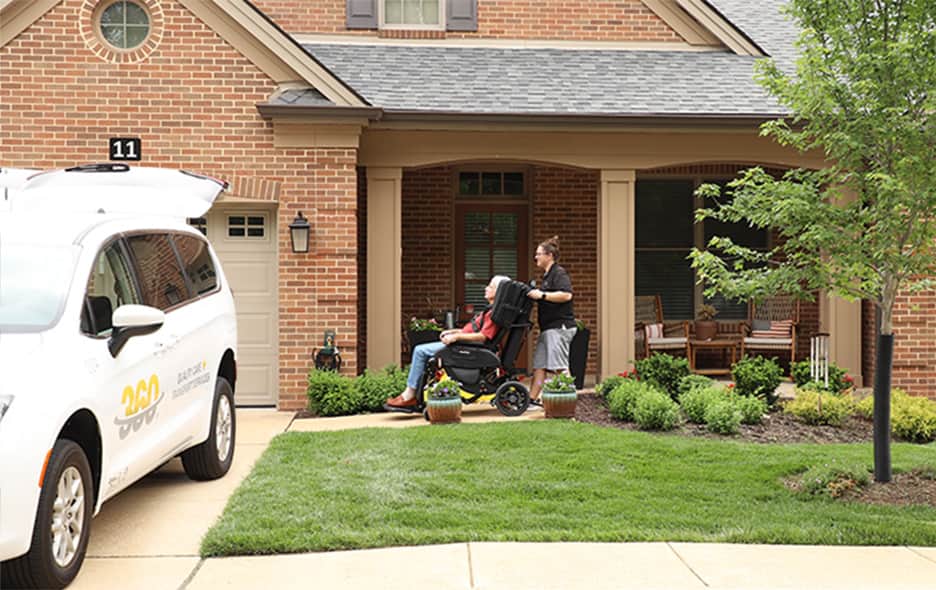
[(461, 15), (362, 14)]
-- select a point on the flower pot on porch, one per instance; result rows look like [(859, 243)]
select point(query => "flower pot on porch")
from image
[(706, 329), (559, 404), (444, 411), (578, 356)]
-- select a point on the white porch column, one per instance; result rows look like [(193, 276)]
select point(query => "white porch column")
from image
[(384, 265), (616, 271), (841, 320)]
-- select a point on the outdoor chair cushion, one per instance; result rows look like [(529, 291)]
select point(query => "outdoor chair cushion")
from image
[(653, 331), (667, 342), (778, 343), (778, 329)]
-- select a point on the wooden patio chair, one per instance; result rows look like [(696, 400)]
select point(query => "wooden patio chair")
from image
[(771, 327), (652, 333)]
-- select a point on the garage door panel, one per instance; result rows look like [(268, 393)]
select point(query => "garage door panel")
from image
[(251, 266)]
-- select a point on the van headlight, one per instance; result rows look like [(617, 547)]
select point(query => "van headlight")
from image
[(5, 401)]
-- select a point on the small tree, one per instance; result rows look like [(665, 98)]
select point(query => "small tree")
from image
[(864, 94)]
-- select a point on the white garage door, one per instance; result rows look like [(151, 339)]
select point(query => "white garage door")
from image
[(245, 239)]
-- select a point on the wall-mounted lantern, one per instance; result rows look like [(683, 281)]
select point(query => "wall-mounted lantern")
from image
[(299, 231)]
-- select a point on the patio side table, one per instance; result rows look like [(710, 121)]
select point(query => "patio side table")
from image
[(727, 347)]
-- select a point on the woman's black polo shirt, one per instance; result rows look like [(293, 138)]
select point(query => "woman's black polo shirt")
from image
[(556, 315)]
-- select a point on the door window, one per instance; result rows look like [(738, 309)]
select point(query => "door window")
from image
[(109, 286), (197, 263), (160, 277)]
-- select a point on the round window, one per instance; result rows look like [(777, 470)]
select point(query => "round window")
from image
[(125, 24)]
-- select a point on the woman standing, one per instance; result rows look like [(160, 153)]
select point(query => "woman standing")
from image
[(556, 318)]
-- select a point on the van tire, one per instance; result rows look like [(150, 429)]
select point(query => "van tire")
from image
[(38, 567), (206, 461)]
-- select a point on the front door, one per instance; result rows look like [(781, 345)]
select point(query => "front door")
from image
[(490, 240)]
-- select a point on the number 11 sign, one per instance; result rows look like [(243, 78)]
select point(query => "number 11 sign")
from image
[(124, 148)]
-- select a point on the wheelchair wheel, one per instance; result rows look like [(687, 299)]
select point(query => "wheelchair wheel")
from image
[(512, 398)]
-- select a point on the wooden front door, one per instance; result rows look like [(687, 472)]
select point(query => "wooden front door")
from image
[(490, 240)]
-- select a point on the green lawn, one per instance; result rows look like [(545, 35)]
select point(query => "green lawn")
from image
[(545, 481)]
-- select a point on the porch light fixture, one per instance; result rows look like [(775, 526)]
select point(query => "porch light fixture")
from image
[(299, 231)]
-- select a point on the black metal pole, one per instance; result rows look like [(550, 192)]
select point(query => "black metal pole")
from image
[(882, 383)]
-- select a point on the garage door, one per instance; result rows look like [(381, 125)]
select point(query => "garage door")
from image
[(245, 239)]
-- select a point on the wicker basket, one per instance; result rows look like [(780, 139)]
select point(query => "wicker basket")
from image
[(444, 411), (559, 405)]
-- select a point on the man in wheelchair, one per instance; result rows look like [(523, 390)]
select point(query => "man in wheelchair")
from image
[(468, 355)]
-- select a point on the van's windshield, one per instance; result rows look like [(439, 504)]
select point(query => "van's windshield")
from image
[(34, 281)]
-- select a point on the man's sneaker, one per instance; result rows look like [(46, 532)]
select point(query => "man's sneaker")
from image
[(398, 404)]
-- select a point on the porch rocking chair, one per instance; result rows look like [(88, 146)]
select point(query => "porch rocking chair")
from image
[(771, 326), (653, 333)]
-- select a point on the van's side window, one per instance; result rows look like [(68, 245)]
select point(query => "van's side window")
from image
[(109, 286), (158, 269), (196, 263)]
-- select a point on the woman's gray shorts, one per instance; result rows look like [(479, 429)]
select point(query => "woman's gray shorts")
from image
[(552, 349)]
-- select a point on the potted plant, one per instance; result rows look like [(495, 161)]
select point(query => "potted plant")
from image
[(706, 328), (578, 353), (422, 331), (443, 401), (559, 396)]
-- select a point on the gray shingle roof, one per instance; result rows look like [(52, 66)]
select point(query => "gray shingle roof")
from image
[(609, 82), (302, 97)]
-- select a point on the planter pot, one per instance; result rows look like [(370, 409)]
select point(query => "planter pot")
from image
[(444, 411), (706, 329), (578, 356), (417, 337), (559, 405)]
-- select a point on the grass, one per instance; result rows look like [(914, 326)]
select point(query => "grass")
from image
[(546, 481)]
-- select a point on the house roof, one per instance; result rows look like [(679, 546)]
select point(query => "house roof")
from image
[(439, 78)]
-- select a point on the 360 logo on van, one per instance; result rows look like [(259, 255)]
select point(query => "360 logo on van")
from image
[(139, 405)]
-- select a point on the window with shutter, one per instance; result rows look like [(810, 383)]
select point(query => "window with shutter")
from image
[(462, 15), (362, 14), (452, 15)]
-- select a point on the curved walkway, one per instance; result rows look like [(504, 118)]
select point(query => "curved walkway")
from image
[(148, 537)]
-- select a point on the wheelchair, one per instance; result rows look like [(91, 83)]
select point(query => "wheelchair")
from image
[(484, 376)]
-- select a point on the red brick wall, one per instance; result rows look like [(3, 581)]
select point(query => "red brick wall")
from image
[(192, 101), (580, 20), (915, 344), (362, 267), (868, 341)]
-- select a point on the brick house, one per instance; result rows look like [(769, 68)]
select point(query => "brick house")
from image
[(430, 144)]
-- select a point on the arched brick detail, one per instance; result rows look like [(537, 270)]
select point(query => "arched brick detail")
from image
[(87, 29), (254, 188)]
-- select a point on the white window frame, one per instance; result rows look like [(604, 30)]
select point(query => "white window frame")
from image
[(382, 23)]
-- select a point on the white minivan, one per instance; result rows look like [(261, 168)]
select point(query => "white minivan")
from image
[(117, 352)]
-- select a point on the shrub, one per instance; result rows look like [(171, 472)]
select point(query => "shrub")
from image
[(914, 419), (656, 411), (331, 394), (753, 409), (663, 370), (757, 376), (723, 417), (375, 387), (839, 380), (608, 385), (623, 399), (695, 401), (690, 382), (833, 478), (819, 407)]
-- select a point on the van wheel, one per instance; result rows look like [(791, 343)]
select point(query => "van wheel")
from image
[(213, 458), (63, 521)]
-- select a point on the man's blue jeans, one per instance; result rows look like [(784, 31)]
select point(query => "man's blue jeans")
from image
[(421, 356)]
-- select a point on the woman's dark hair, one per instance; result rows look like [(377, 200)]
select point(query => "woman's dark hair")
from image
[(551, 246)]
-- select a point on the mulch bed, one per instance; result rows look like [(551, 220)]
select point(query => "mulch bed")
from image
[(905, 489)]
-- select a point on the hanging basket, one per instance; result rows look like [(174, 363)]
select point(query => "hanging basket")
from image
[(444, 411), (559, 405)]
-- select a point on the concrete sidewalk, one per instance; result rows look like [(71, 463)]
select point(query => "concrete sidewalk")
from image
[(148, 537)]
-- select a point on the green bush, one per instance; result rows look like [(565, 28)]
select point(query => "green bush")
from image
[(690, 382), (914, 420), (757, 376), (331, 394), (753, 409), (833, 478), (608, 385), (695, 401), (375, 387), (839, 380), (656, 411), (819, 407), (664, 371), (623, 399), (723, 417)]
